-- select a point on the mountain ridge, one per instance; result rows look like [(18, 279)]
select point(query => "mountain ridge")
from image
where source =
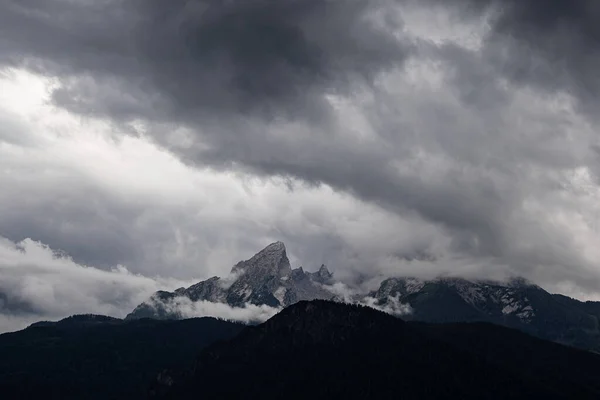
[(268, 280), (99, 357), (516, 304)]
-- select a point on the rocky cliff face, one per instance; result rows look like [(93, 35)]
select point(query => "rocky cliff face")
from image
[(265, 279)]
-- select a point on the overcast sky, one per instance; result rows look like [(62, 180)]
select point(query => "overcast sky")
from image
[(149, 144)]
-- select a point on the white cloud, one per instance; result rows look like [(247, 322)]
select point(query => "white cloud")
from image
[(37, 283), (393, 306), (187, 308)]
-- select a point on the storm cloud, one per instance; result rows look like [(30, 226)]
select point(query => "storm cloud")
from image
[(380, 137), (195, 59), (551, 45)]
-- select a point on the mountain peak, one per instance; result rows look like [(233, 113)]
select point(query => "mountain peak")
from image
[(322, 276), (324, 272), (275, 246), (272, 258)]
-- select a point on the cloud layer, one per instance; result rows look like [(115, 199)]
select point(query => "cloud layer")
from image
[(380, 137), (186, 308), (38, 283)]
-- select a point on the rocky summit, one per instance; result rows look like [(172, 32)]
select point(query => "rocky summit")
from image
[(265, 279)]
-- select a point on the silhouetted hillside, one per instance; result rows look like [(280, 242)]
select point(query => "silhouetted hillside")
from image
[(563, 369), (324, 350), (96, 357)]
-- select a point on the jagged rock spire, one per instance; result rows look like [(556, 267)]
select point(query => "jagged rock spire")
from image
[(265, 279), (272, 259)]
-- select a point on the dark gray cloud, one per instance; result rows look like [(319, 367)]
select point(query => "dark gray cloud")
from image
[(554, 45), (479, 142), (14, 306), (90, 228), (200, 58), (271, 58)]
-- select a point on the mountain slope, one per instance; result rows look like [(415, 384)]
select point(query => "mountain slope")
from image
[(265, 279), (566, 370), (328, 350), (97, 357), (516, 304)]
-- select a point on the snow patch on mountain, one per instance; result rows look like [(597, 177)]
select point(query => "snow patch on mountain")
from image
[(509, 309), (413, 285), (279, 294)]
